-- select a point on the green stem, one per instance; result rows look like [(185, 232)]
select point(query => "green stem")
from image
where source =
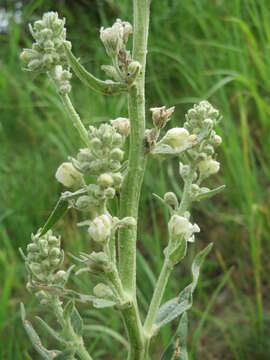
[(157, 298), (131, 188), (75, 118), (76, 340), (166, 270)]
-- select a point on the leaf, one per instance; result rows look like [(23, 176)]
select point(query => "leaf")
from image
[(35, 339), (65, 355), (68, 309), (51, 331), (183, 302), (97, 302), (76, 321), (177, 349), (210, 193), (58, 212), (104, 87)]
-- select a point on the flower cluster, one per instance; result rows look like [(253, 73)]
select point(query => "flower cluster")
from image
[(47, 53), (104, 154), (115, 39), (43, 260)]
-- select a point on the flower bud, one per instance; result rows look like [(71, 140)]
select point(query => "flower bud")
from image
[(105, 180), (176, 138), (117, 154), (100, 228), (171, 199), (117, 180), (122, 125), (60, 277), (111, 38), (208, 167), (109, 193), (184, 170), (161, 116), (102, 291), (67, 175)]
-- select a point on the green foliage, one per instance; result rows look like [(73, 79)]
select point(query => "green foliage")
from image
[(202, 52)]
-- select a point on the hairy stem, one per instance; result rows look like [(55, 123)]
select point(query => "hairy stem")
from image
[(72, 337), (75, 118), (131, 188)]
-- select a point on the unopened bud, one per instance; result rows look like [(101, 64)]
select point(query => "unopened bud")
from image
[(171, 199), (176, 138), (105, 180), (102, 291), (208, 167)]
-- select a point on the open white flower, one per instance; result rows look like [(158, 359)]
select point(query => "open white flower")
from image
[(179, 226), (208, 167), (100, 228), (176, 138), (67, 175)]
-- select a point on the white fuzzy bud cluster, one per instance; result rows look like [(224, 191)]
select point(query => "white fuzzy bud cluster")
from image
[(181, 228), (43, 260), (100, 228), (67, 175), (105, 153), (115, 38), (201, 120), (161, 115), (48, 50)]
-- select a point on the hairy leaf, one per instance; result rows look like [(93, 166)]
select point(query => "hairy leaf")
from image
[(51, 331), (210, 193), (65, 355), (175, 307), (35, 339), (76, 321), (177, 349), (58, 212)]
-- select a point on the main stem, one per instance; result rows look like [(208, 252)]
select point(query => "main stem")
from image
[(130, 193)]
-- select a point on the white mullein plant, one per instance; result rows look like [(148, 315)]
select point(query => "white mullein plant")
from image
[(102, 156)]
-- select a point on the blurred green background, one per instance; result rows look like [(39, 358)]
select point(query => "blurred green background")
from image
[(198, 49)]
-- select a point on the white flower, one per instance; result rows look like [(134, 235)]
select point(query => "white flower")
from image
[(100, 228), (208, 167), (67, 175), (122, 125), (176, 138), (179, 226)]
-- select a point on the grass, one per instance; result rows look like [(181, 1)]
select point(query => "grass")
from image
[(198, 49)]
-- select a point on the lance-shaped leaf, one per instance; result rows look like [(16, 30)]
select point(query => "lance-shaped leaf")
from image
[(35, 339), (96, 302), (177, 306), (177, 349), (76, 321), (57, 213), (51, 331), (210, 193), (107, 87)]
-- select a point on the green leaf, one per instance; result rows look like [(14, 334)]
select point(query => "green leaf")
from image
[(210, 193), (51, 331), (58, 212), (183, 302), (76, 321), (97, 302), (177, 349), (68, 309), (65, 355), (104, 87), (35, 339)]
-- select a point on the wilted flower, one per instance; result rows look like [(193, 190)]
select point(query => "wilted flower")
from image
[(161, 116)]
